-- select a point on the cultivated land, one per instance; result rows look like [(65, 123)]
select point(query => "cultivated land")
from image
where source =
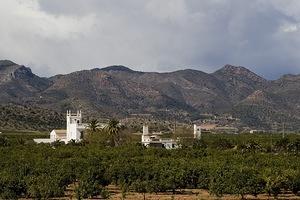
[(215, 167)]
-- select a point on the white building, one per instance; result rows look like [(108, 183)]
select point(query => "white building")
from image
[(58, 135), (197, 132), (75, 127), (257, 131), (74, 130), (155, 140)]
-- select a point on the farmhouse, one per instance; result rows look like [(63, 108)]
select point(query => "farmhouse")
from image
[(155, 140), (73, 132)]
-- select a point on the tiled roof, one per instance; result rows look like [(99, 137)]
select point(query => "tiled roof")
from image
[(60, 132)]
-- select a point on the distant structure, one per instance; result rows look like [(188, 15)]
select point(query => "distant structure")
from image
[(74, 130), (215, 128), (197, 132), (257, 131), (155, 140)]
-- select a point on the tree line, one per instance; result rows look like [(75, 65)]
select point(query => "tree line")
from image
[(239, 165)]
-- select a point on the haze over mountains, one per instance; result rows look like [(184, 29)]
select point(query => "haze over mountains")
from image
[(185, 94)]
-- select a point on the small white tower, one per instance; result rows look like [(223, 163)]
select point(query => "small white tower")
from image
[(145, 130), (145, 135), (74, 122), (197, 132)]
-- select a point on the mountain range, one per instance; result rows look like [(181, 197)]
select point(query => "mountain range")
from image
[(117, 91)]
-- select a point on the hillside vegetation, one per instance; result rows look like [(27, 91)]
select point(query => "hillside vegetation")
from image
[(19, 117)]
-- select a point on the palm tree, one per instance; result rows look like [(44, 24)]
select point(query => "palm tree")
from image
[(113, 129), (93, 125)]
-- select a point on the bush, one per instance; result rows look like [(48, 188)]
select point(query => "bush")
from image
[(44, 186), (249, 147), (247, 181), (11, 186), (222, 144), (4, 141), (92, 182), (275, 181), (221, 180)]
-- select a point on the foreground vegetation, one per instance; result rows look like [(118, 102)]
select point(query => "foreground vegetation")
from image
[(222, 164)]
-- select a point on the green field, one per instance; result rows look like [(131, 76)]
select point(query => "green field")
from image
[(16, 136), (240, 165)]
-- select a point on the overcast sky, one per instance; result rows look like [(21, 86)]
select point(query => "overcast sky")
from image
[(61, 36)]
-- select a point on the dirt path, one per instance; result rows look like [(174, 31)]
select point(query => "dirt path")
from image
[(188, 194)]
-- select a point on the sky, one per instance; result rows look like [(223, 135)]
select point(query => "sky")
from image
[(61, 36)]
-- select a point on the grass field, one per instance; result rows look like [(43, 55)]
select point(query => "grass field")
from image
[(23, 136)]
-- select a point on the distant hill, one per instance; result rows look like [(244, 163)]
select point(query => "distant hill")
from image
[(29, 118), (18, 84), (117, 91)]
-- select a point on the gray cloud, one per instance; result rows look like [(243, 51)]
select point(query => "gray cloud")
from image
[(60, 36)]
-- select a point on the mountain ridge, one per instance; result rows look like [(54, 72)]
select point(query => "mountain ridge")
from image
[(183, 94)]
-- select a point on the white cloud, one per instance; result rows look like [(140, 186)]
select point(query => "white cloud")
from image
[(60, 36), (167, 10), (26, 17), (289, 28), (31, 35)]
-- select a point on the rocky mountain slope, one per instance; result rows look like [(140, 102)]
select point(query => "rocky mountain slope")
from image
[(18, 83), (119, 91)]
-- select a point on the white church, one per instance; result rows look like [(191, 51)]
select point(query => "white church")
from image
[(73, 132)]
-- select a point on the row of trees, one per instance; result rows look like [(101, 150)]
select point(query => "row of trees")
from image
[(44, 172), (214, 163)]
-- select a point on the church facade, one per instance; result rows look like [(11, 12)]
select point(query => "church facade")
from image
[(73, 132)]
